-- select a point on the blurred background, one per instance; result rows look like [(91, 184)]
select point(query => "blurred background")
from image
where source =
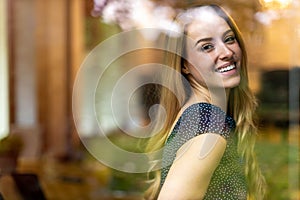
[(42, 47)]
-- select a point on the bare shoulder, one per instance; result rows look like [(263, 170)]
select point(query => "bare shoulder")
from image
[(195, 162), (202, 146)]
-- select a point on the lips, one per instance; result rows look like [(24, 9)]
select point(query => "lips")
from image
[(226, 68)]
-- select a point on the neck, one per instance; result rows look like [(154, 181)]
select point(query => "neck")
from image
[(215, 96)]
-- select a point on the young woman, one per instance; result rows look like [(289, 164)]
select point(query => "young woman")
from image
[(209, 133)]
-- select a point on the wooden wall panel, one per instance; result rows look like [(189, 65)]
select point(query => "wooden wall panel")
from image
[(22, 79), (46, 44)]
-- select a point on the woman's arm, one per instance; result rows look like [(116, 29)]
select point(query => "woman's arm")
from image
[(190, 174)]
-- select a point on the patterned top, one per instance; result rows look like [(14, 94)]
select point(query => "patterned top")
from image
[(228, 180)]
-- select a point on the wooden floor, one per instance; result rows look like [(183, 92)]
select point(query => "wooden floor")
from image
[(63, 181), (91, 180)]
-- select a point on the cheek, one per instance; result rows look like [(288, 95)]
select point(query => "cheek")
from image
[(238, 53), (201, 68), (202, 74), (200, 62)]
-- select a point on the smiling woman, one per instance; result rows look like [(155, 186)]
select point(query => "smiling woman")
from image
[(209, 132), (205, 135), (4, 115)]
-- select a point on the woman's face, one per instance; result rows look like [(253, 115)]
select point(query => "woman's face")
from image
[(213, 53)]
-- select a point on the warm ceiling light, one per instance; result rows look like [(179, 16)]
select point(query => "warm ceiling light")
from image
[(275, 4)]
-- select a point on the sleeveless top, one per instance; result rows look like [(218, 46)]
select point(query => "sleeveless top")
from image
[(228, 180)]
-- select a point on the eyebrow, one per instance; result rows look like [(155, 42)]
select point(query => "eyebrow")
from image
[(209, 39), (202, 40)]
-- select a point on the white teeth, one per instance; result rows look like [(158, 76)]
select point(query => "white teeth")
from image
[(225, 69)]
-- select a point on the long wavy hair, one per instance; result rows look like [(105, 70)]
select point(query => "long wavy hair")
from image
[(241, 106)]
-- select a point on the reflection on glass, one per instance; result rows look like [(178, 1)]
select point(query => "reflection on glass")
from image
[(275, 4)]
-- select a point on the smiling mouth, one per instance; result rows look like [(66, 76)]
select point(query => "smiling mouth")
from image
[(226, 69)]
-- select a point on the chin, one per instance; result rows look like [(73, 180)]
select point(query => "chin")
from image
[(232, 83)]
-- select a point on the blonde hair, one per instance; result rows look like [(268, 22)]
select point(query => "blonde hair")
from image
[(241, 106)]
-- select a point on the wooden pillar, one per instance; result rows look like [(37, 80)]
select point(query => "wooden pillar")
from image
[(60, 46), (52, 67), (76, 30)]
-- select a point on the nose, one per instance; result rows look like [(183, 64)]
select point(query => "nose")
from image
[(225, 52)]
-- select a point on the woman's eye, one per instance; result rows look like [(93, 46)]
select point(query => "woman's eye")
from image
[(207, 47), (230, 39)]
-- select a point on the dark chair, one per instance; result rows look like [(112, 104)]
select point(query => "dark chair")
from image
[(279, 91), (29, 186)]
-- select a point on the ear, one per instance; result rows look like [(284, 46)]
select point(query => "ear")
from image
[(185, 68)]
